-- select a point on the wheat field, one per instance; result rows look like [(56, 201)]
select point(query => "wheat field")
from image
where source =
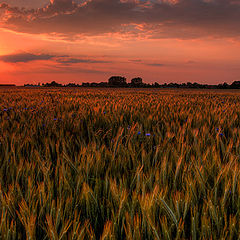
[(119, 164)]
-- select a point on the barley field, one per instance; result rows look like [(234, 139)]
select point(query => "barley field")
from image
[(119, 164)]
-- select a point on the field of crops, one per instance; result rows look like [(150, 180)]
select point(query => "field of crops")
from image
[(119, 164)]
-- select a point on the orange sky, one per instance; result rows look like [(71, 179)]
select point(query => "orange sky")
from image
[(60, 40)]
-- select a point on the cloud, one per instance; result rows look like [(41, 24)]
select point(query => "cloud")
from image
[(135, 60), (78, 60), (155, 64), (24, 57), (62, 59), (144, 18)]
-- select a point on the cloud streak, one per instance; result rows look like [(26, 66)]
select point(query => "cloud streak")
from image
[(78, 60), (61, 59), (25, 57), (150, 18), (155, 64)]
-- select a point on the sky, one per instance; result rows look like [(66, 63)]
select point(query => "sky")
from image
[(91, 40)]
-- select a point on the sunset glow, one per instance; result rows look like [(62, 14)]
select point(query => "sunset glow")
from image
[(84, 41)]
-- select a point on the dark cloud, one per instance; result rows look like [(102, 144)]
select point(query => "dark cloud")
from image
[(79, 60), (63, 59), (155, 64), (24, 57), (149, 18), (135, 60)]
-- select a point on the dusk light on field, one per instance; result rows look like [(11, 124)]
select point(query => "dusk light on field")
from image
[(119, 119)]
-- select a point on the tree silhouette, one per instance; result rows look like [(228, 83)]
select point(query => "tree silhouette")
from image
[(117, 81)]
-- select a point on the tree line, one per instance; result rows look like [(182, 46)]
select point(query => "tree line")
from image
[(119, 81)]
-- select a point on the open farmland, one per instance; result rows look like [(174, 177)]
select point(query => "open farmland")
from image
[(119, 164)]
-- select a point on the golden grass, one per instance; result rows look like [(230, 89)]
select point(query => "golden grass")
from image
[(119, 164)]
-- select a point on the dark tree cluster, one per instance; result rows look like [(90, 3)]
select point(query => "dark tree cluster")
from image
[(53, 84), (119, 81)]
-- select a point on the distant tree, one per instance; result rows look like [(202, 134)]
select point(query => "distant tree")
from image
[(53, 84), (93, 84), (173, 85), (103, 84), (223, 85), (235, 84), (117, 81), (72, 85), (196, 85), (30, 85), (87, 84), (136, 82)]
